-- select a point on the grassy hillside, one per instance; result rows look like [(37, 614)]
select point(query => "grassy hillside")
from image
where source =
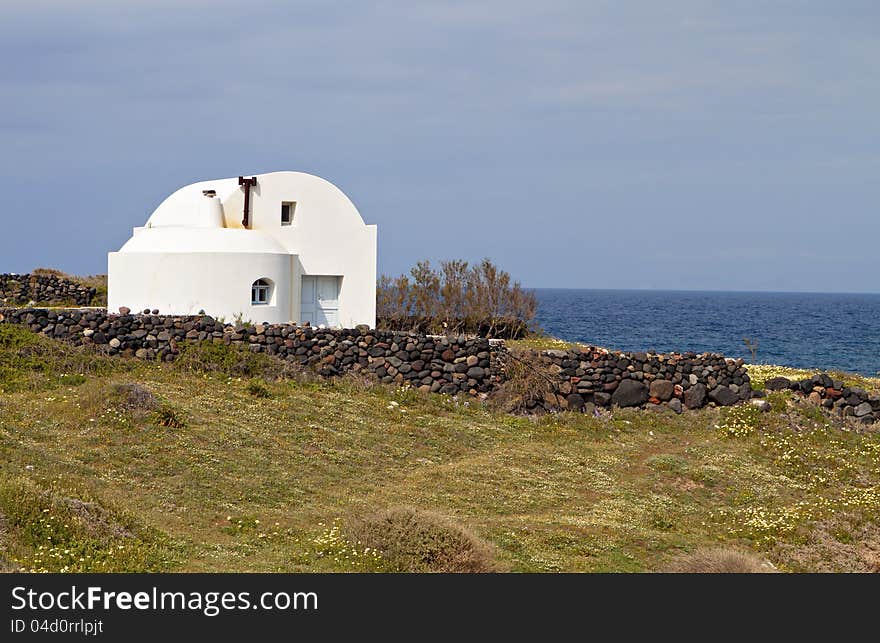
[(211, 464)]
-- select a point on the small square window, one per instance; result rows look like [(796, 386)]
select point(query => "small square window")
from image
[(287, 209)]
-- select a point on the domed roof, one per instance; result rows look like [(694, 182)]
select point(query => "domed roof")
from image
[(184, 239), (184, 206)]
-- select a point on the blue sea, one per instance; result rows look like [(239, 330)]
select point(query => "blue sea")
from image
[(805, 330)]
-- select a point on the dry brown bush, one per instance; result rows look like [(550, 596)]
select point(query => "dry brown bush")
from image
[(134, 397), (720, 561), (457, 298), (411, 540), (95, 520), (835, 545), (528, 381), (50, 272)]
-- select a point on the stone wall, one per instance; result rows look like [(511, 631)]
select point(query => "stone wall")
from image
[(590, 377), (581, 377), (439, 364), (50, 290), (832, 395)]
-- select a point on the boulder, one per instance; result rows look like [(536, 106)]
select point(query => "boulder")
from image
[(601, 398), (862, 410), (630, 393), (695, 396), (777, 384), (675, 405), (762, 405), (723, 396), (575, 402), (662, 390)]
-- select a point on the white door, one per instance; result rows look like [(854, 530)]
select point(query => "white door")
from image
[(319, 302)]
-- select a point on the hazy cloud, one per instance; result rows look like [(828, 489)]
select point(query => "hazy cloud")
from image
[(592, 144)]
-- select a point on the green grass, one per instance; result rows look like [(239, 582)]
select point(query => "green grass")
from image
[(542, 343), (760, 373), (263, 475)]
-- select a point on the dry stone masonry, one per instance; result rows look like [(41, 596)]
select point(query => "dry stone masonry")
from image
[(582, 379), (438, 364), (50, 290), (833, 395), (589, 377)]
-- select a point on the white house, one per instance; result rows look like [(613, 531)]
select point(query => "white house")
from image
[(278, 247)]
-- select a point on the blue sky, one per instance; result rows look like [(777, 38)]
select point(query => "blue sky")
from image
[(676, 145)]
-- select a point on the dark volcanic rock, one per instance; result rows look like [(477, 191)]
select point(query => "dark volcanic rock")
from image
[(575, 402), (630, 393), (662, 389), (695, 396), (724, 396), (777, 384), (601, 398)]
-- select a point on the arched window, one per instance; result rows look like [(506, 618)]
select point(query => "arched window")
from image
[(261, 292)]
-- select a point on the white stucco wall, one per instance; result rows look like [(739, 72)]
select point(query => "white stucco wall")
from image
[(326, 237), (184, 283)]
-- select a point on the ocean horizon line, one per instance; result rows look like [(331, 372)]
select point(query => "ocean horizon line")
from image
[(700, 290)]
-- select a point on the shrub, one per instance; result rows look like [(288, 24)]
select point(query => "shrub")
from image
[(668, 462), (133, 397), (456, 299), (168, 417), (720, 561), (50, 272), (528, 381), (410, 540), (257, 388)]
